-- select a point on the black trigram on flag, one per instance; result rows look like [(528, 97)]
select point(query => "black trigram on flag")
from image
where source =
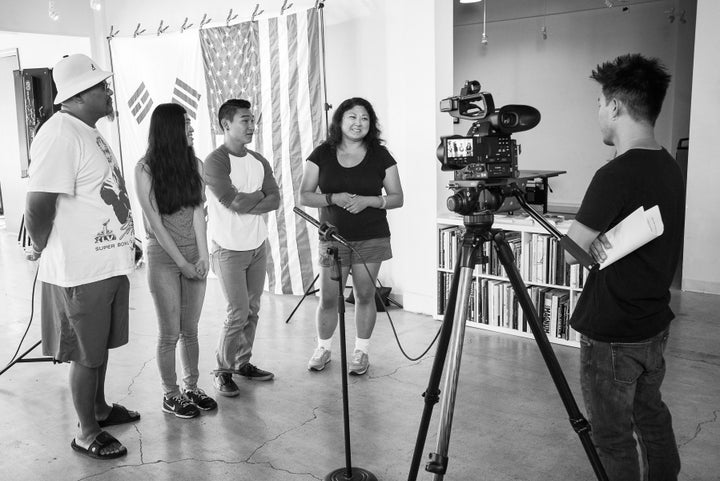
[(185, 95), (140, 103)]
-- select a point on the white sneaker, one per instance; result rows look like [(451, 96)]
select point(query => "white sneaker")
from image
[(359, 363), (319, 359)]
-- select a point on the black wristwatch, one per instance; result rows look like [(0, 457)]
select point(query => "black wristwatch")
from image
[(328, 199)]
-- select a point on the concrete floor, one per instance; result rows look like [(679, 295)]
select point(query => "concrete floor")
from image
[(509, 422)]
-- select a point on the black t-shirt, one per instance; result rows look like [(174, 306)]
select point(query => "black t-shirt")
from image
[(366, 178), (628, 301)]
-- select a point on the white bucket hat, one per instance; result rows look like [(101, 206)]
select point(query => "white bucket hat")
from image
[(76, 73)]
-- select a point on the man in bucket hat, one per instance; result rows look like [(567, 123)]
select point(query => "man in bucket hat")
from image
[(78, 217)]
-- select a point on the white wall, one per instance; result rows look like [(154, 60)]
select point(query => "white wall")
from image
[(701, 263), (31, 16), (400, 62), (519, 66), (417, 31), (35, 51)]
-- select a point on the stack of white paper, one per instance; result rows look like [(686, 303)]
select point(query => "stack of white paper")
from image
[(633, 232)]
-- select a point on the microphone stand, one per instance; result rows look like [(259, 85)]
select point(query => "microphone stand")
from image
[(329, 232)]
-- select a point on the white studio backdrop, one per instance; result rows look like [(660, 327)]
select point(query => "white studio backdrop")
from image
[(274, 63)]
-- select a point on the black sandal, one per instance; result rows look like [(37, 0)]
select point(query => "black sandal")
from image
[(102, 440), (119, 414)]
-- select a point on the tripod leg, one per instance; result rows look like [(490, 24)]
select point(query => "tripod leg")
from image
[(439, 459), (308, 291), (466, 262), (578, 422)]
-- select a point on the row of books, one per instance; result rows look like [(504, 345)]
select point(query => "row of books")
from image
[(494, 303), (540, 259), (449, 242), (546, 263)]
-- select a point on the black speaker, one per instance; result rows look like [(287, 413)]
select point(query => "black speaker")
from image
[(34, 95)]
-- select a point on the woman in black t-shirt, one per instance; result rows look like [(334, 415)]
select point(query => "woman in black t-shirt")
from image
[(345, 177)]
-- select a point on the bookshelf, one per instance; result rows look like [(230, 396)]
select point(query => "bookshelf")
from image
[(553, 286)]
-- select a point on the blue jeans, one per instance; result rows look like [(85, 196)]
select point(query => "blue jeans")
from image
[(178, 304), (242, 278), (621, 388)]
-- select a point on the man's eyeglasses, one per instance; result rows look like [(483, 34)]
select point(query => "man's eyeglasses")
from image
[(104, 85)]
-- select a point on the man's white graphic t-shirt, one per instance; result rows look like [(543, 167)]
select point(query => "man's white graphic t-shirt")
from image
[(92, 237)]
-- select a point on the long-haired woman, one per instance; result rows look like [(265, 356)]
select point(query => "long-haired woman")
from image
[(169, 186)]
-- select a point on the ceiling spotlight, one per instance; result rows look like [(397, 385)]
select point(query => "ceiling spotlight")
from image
[(52, 13), (96, 5), (470, 1)]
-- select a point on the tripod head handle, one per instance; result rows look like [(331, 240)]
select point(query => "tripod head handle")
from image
[(326, 230), (569, 245)]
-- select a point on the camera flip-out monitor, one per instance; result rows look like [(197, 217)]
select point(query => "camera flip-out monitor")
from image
[(479, 157)]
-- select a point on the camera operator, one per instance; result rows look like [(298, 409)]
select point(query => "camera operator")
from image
[(623, 313)]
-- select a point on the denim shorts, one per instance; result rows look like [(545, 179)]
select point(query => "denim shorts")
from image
[(371, 251)]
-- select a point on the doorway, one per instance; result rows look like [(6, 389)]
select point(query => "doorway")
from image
[(12, 186)]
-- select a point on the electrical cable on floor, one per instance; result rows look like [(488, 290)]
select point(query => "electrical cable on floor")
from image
[(32, 312), (392, 325)]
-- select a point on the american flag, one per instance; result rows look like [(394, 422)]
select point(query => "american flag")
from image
[(275, 64)]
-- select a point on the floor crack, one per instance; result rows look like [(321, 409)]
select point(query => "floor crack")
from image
[(160, 461), (699, 428), (132, 381), (311, 419), (140, 441), (395, 371)]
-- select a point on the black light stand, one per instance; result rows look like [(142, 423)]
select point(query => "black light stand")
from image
[(478, 231), (308, 291), (348, 473), (21, 358)]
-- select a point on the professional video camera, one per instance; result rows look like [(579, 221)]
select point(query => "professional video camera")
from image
[(484, 160)]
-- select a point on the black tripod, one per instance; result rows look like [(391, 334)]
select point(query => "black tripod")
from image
[(348, 473), (478, 231)]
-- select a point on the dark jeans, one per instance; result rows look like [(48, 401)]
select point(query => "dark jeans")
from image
[(621, 388)]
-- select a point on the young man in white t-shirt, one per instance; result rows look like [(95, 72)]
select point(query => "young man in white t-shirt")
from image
[(78, 217), (241, 189)]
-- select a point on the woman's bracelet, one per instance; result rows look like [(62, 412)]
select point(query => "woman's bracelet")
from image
[(328, 199), (383, 201)]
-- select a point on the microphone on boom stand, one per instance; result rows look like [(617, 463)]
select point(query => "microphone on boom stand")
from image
[(329, 232)]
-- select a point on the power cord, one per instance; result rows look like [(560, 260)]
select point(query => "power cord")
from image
[(392, 324), (32, 313)]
